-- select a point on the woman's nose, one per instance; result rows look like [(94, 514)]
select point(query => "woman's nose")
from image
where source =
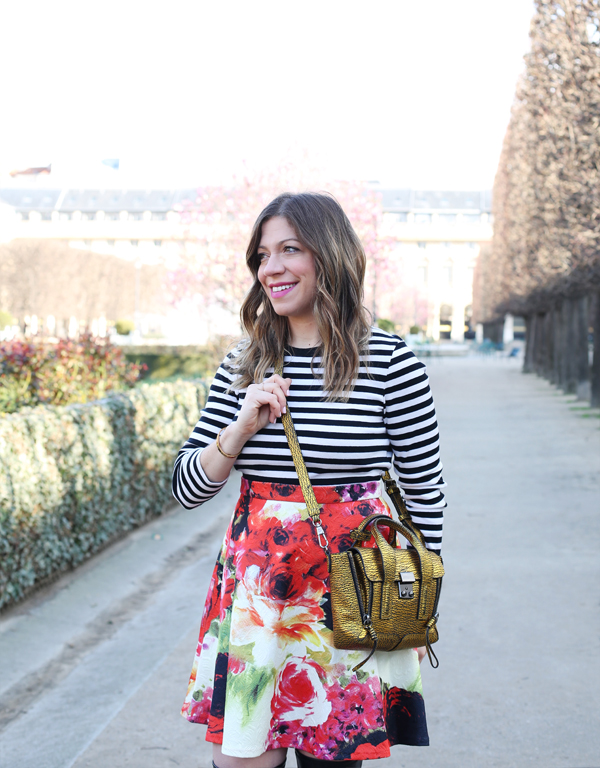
[(274, 265)]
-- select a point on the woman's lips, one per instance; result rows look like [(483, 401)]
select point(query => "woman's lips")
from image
[(281, 290)]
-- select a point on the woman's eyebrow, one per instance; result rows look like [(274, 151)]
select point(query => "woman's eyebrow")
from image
[(281, 242)]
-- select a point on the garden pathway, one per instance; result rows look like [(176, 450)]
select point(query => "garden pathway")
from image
[(93, 669)]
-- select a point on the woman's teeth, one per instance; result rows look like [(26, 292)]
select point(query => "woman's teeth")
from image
[(278, 288)]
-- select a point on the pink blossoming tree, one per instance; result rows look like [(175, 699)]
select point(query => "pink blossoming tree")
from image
[(212, 270)]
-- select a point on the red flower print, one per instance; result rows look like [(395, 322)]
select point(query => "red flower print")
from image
[(299, 693), (357, 708), (260, 619), (370, 751), (235, 665), (198, 711)]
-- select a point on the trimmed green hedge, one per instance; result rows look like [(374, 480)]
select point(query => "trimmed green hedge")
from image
[(166, 362), (73, 478)]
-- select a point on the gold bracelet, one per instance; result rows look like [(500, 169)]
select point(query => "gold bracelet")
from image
[(221, 451)]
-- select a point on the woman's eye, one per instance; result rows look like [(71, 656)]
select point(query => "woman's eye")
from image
[(290, 249), (263, 256)]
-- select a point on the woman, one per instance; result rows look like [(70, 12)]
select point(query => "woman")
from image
[(266, 676)]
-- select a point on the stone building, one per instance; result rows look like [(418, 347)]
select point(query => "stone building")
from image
[(437, 236), (434, 235)]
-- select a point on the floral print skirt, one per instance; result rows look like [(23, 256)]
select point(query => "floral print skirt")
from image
[(266, 674)]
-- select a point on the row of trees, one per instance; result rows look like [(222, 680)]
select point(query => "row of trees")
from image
[(544, 260), (45, 277)]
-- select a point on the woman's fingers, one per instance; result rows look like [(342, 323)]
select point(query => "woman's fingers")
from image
[(270, 394), (283, 383), (265, 397), (280, 388)]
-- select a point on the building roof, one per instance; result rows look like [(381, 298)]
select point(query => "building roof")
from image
[(413, 199), (109, 200), (163, 200), (30, 199)]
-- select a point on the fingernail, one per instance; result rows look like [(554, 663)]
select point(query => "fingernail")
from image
[(283, 410)]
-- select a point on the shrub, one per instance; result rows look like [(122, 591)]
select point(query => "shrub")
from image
[(74, 478), (414, 329), (386, 325), (170, 362), (124, 327), (33, 373), (5, 319)]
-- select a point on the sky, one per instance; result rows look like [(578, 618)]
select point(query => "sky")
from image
[(410, 93)]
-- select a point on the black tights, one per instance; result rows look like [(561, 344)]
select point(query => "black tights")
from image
[(304, 761)]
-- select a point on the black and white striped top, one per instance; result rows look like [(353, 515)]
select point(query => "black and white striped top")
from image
[(390, 415)]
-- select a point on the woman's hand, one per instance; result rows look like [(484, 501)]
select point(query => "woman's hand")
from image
[(421, 652), (263, 403)]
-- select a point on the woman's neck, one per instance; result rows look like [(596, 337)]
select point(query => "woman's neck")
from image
[(303, 334)]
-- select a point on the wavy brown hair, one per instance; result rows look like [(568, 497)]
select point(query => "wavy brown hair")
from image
[(343, 322)]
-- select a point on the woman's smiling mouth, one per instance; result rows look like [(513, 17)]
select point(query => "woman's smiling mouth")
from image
[(282, 289)]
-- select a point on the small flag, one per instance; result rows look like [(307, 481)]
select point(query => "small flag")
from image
[(31, 171), (112, 163)]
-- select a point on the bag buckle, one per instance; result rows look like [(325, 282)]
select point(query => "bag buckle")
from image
[(405, 585), (321, 535)]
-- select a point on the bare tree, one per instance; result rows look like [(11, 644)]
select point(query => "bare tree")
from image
[(544, 262), (43, 277)]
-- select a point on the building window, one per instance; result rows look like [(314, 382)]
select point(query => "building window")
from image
[(422, 245), (422, 218), (447, 218), (158, 216), (134, 242), (158, 243), (471, 218), (87, 243), (111, 243), (447, 274), (396, 218), (422, 274), (445, 321)]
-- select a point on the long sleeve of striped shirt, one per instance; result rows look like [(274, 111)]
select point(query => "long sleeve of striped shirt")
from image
[(388, 419)]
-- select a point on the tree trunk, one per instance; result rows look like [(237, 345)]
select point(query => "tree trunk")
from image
[(595, 398), (582, 370), (548, 320), (559, 346), (570, 348), (553, 346), (530, 321), (535, 357)]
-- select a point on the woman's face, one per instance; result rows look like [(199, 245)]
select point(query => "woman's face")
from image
[(287, 270)]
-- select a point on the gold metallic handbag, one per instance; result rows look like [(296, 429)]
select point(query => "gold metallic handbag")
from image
[(383, 597)]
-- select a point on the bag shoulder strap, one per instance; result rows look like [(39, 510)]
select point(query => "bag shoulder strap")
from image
[(313, 508)]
